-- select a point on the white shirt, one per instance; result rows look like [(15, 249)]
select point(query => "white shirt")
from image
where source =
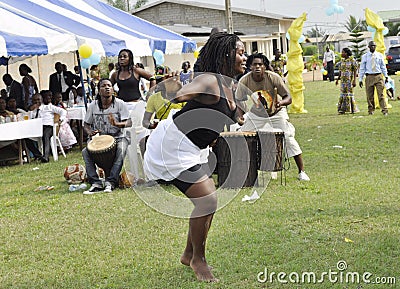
[(64, 86), (329, 56), (366, 64), (46, 113)]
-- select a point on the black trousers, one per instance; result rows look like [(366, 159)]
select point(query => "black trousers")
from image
[(47, 134), (329, 68), (32, 147)]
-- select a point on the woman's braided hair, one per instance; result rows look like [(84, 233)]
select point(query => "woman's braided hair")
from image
[(219, 53)]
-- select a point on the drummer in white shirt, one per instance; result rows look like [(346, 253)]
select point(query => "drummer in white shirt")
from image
[(44, 109)]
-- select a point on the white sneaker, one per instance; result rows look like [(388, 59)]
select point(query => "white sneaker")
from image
[(303, 176), (94, 189), (108, 189)]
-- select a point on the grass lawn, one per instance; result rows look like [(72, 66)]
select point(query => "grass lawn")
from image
[(348, 212)]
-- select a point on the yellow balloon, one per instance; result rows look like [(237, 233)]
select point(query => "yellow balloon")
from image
[(85, 50), (325, 72), (196, 53)]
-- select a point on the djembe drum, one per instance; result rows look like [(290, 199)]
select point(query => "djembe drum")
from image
[(237, 159), (270, 150), (102, 149)]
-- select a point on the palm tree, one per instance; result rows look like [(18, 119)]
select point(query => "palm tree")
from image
[(352, 24), (315, 32)]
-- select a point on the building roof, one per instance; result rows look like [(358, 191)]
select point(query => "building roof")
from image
[(217, 7), (342, 36), (390, 15)]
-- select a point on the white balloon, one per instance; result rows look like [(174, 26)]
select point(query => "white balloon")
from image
[(385, 31)]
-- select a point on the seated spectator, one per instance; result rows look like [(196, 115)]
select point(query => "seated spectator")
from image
[(46, 111), (3, 93), (80, 99), (65, 134), (12, 106), (107, 115), (3, 112)]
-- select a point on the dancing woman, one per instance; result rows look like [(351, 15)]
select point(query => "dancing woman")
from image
[(175, 148)]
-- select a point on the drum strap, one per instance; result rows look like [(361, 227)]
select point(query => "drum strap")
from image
[(161, 117)]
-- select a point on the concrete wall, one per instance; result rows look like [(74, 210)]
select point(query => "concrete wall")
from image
[(171, 13)]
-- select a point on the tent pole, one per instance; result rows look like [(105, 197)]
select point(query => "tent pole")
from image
[(38, 71), (81, 76), (8, 60)]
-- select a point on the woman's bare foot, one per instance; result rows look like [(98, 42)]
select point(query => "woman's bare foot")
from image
[(202, 271), (186, 258)]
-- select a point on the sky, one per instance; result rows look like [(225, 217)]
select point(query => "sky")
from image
[(315, 9)]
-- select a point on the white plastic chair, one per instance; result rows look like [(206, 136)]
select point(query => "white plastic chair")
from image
[(54, 140)]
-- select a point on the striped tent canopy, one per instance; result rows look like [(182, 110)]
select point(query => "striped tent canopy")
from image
[(38, 27)]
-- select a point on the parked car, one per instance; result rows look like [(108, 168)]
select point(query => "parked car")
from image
[(393, 59), (335, 71)]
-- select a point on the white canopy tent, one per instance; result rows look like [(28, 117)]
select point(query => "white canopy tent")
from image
[(75, 22), (56, 28)]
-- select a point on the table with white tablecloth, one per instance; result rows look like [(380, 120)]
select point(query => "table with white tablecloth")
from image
[(18, 131)]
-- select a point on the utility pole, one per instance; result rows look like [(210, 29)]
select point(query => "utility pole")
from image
[(262, 5), (228, 12), (316, 34)]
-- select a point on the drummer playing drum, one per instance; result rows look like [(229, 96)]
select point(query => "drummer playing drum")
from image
[(106, 115), (267, 84)]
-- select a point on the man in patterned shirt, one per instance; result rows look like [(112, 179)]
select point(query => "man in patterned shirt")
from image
[(278, 63)]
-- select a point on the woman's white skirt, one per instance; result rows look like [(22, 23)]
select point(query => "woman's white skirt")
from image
[(169, 152)]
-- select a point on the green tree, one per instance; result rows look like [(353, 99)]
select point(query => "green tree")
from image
[(394, 28), (119, 4), (357, 49), (140, 3), (315, 32), (310, 50), (125, 4), (313, 64), (352, 24)]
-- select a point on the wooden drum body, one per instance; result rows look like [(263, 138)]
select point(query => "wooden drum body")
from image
[(270, 150), (237, 159), (103, 149)]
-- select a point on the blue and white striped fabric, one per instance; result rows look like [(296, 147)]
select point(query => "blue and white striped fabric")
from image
[(34, 27)]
